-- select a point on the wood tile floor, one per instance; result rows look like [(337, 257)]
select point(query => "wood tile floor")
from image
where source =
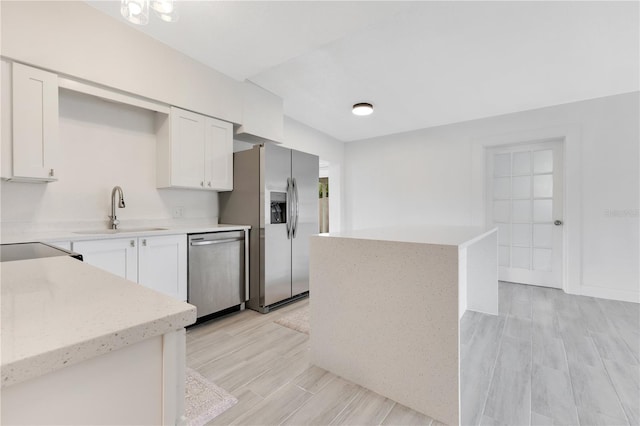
[(266, 366), (551, 358), (548, 358)]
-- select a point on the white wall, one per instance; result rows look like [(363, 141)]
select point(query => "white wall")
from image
[(306, 139), (102, 144), (73, 38), (433, 176)]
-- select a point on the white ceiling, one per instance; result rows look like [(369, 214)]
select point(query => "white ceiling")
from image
[(421, 63)]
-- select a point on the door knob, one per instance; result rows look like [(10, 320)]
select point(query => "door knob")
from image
[(557, 222)]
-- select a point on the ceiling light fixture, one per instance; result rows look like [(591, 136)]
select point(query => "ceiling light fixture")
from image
[(362, 108), (165, 9), (137, 11)]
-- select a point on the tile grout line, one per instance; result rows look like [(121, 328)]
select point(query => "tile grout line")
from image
[(566, 358), (573, 393), (360, 391), (299, 407), (389, 412), (493, 370), (307, 401), (615, 389), (320, 388), (604, 367), (635, 355)]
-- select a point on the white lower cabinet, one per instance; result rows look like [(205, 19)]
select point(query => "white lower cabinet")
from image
[(118, 255), (144, 380), (162, 264), (159, 262)]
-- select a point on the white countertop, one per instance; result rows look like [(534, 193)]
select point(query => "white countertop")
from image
[(59, 311), (80, 234), (460, 236)]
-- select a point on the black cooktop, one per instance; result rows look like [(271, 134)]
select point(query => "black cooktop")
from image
[(23, 251)]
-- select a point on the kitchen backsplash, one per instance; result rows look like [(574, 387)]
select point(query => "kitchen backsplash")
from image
[(102, 145)]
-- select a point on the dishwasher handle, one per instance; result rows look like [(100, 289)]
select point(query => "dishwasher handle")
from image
[(209, 242)]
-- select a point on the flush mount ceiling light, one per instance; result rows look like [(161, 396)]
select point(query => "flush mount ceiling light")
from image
[(137, 11), (362, 108)]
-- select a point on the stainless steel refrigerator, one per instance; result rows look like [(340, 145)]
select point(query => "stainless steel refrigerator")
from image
[(275, 190)]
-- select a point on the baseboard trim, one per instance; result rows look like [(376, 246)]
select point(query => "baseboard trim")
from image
[(612, 294)]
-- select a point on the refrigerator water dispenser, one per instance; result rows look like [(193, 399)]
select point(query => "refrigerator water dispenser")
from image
[(278, 207)]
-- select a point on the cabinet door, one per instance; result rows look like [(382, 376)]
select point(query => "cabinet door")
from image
[(219, 155), (162, 264), (187, 148), (118, 256), (35, 123)]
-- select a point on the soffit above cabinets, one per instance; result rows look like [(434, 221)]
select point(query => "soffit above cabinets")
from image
[(422, 64)]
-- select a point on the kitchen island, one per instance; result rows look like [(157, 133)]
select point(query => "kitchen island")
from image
[(82, 346), (386, 304)]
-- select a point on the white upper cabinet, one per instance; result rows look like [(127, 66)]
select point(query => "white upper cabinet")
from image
[(218, 155), (262, 115), (30, 147), (187, 148), (194, 151)]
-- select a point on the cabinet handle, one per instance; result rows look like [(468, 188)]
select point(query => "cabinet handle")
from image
[(51, 172), (132, 243), (209, 184), (144, 242), (201, 183)]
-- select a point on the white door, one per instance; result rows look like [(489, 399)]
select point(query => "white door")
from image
[(187, 148), (118, 256), (162, 264), (524, 201)]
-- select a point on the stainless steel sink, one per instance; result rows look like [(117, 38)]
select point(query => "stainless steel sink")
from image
[(117, 231)]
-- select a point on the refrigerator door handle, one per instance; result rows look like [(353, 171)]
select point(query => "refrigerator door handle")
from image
[(297, 208), (289, 208)]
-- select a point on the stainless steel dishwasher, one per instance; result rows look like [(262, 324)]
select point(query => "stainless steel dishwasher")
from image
[(217, 271)]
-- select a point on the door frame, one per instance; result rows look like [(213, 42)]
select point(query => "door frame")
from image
[(556, 273), (572, 169)]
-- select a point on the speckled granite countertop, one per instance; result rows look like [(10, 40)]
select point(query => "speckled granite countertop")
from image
[(82, 234), (460, 236), (59, 311)]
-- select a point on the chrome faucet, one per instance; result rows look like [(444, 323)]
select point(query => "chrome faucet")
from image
[(114, 220)]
